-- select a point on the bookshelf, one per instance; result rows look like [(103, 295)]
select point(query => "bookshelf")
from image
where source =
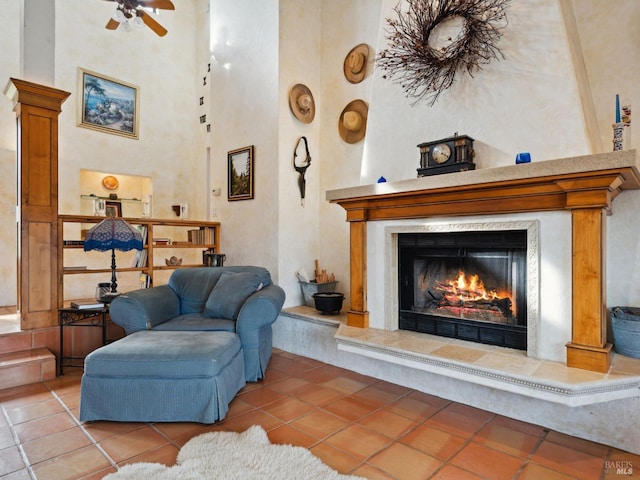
[(162, 239)]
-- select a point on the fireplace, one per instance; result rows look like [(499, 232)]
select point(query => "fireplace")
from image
[(470, 285)]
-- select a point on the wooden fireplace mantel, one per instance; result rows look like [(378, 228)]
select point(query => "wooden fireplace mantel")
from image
[(585, 186)]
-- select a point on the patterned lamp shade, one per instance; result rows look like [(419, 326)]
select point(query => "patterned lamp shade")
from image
[(113, 234)]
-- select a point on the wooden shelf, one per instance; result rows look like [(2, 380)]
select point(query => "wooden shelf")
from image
[(155, 226)]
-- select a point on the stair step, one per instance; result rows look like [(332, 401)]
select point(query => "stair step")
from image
[(26, 367)]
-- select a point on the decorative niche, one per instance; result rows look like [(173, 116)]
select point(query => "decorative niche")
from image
[(128, 195)]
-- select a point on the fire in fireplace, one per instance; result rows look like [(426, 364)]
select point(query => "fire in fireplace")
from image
[(466, 285)]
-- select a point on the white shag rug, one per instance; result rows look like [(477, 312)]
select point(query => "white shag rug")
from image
[(228, 455)]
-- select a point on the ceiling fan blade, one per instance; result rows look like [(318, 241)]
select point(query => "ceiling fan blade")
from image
[(161, 4), (112, 24), (152, 24)]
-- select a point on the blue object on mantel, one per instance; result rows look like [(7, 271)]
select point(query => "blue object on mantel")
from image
[(523, 157), (382, 180)]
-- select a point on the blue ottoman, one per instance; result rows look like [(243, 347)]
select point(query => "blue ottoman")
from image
[(161, 376)]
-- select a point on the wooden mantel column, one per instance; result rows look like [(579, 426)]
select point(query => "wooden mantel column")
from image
[(37, 108), (585, 186), (589, 201)]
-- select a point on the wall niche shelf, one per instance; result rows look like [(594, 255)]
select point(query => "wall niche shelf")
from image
[(172, 237)]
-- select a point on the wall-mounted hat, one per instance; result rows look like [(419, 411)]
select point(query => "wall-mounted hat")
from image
[(301, 103), (352, 124), (355, 63)]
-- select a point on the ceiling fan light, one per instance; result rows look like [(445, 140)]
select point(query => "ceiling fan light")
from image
[(119, 17), (137, 22)]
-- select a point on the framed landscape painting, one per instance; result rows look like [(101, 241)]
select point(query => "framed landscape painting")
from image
[(240, 174), (107, 104)]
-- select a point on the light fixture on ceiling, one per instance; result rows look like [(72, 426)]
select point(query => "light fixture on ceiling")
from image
[(119, 16)]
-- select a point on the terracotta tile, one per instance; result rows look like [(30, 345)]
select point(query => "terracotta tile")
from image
[(405, 463), (42, 426), (238, 407), (455, 423), (358, 442), (322, 374), (437, 443), (318, 395), (350, 408), (272, 375), (413, 408), (586, 446), (371, 473), (336, 459), (345, 385), (387, 423), (240, 423), (18, 475), (98, 475), (100, 431), (35, 410), (533, 471), (288, 408), (568, 461), (261, 396), (24, 395), (487, 462), (377, 395), (6, 437), (360, 378), (470, 412), (10, 460), (54, 445), (124, 447), (166, 455), (288, 385), (518, 425), (506, 440), (320, 424), (75, 464), (451, 472), (180, 430), (287, 435)]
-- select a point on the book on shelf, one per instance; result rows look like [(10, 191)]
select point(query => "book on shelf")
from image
[(143, 233), (86, 304), (202, 236), (140, 259), (161, 241), (73, 242), (145, 280)]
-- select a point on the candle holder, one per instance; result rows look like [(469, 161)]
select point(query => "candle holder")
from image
[(618, 140)]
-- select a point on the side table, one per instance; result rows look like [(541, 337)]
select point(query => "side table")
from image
[(78, 317)]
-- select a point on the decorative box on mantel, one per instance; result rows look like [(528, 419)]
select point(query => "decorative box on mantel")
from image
[(584, 186)]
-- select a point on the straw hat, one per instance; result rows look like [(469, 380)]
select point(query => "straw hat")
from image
[(352, 124), (301, 103), (355, 63)]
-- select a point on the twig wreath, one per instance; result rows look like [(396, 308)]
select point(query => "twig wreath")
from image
[(424, 71)]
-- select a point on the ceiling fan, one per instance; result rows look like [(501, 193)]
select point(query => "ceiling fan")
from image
[(132, 11)]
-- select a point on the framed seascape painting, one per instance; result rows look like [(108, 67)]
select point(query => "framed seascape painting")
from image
[(107, 104), (240, 174)]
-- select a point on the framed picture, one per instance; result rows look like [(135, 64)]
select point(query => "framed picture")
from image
[(107, 104), (113, 209), (240, 174)]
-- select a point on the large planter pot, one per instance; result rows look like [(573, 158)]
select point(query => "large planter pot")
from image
[(625, 325)]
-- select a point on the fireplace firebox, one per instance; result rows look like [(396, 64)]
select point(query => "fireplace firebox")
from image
[(470, 285)]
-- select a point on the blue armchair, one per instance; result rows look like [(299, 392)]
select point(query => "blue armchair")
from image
[(240, 299)]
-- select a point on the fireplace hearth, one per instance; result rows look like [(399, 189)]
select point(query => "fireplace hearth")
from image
[(469, 285)]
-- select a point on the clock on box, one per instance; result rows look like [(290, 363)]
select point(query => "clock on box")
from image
[(453, 154)]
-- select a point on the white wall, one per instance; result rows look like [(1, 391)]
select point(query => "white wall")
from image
[(10, 66), (245, 112)]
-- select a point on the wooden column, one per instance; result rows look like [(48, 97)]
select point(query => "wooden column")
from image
[(358, 316), (37, 108), (589, 201)]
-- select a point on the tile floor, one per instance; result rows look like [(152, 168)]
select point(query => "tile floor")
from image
[(354, 423)]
